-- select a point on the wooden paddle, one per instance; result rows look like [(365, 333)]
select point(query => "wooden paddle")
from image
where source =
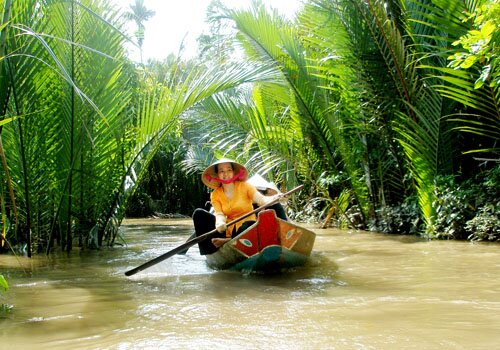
[(204, 236), (193, 235)]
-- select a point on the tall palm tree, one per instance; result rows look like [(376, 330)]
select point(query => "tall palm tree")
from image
[(139, 14), (60, 66), (417, 122), (302, 106), (361, 75), (400, 50), (90, 138)]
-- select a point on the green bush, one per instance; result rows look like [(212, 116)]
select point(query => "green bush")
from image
[(485, 226), (453, 209), (399, 219), (467, 210)]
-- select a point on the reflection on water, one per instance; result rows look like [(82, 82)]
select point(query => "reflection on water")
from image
[(358, 291)]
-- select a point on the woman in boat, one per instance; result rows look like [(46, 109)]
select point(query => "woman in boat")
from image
[(231, 198)]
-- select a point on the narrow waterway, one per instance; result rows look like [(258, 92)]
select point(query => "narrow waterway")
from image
[(359, 290)]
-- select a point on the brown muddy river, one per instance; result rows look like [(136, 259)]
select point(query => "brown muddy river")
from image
[(359, 291)]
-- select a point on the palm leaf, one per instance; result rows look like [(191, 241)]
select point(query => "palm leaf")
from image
[(268, 37), (448, 22), (159, 114)]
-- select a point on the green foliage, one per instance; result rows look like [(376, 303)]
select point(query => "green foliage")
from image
[(288, 129), (467, 210), (356, 98), (167, 189), (68, 80), (472, 74), (481, 45), (404, 218), (485, 226), (453, 209), (141, 205), (335, 202), (87, 136), (4, 287)]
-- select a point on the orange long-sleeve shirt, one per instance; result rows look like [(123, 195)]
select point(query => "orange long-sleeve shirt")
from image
[(233, 208)]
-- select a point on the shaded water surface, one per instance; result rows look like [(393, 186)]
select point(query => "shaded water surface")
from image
[(359, 291)]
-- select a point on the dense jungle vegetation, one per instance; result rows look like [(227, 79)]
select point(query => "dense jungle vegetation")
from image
[(387, 111)]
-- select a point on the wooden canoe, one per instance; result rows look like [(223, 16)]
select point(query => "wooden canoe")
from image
[(269, 245)]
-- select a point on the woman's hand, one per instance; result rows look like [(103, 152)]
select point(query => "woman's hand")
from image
[(221, 228), (220, 222)]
